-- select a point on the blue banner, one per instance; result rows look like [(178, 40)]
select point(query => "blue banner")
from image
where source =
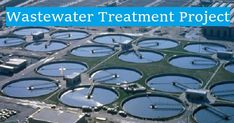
[(118, 16)]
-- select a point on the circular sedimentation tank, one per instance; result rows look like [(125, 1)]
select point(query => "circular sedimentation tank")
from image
[(69, 35), (223, 90), (205, 47), (193, 62), (8, 41), (116, 75), (141, 56), (111, 39), (157, 43), (153, 107), (30, 87), (45, 46), (214, 114), (92, 96), (92, 51), (26, 31), (61, 68), (230, 67), (173, 83)]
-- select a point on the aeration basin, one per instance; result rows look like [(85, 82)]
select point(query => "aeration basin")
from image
[(30, 87), (214, 114), (116, 75), (223, 90), (193, 62), (6, 41), (61, 68), (69, 35), (153, 107), (205, 48), (230, 67), (26, 31), (157, 43), (45, 46), (88, 96), (111, 39), (92, 51), (141, 56), (173, 83)]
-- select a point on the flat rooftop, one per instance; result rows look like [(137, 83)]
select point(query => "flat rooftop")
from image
[(56, 116), (16, 61)]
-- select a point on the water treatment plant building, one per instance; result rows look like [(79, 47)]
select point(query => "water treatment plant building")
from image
[(115, 74)]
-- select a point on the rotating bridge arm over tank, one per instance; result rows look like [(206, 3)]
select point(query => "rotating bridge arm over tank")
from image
[(99, 50), (62, 35), (201, 62), (90, 90), (141, 56), (218, 112), (151, 44), (9, 41), (180, 86), (209, 49), (111, 76), (41, 86), (162, 106)]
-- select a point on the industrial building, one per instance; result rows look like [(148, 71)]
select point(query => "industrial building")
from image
[(117, 74), (47, 115), (12, 66), (72, 80)]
